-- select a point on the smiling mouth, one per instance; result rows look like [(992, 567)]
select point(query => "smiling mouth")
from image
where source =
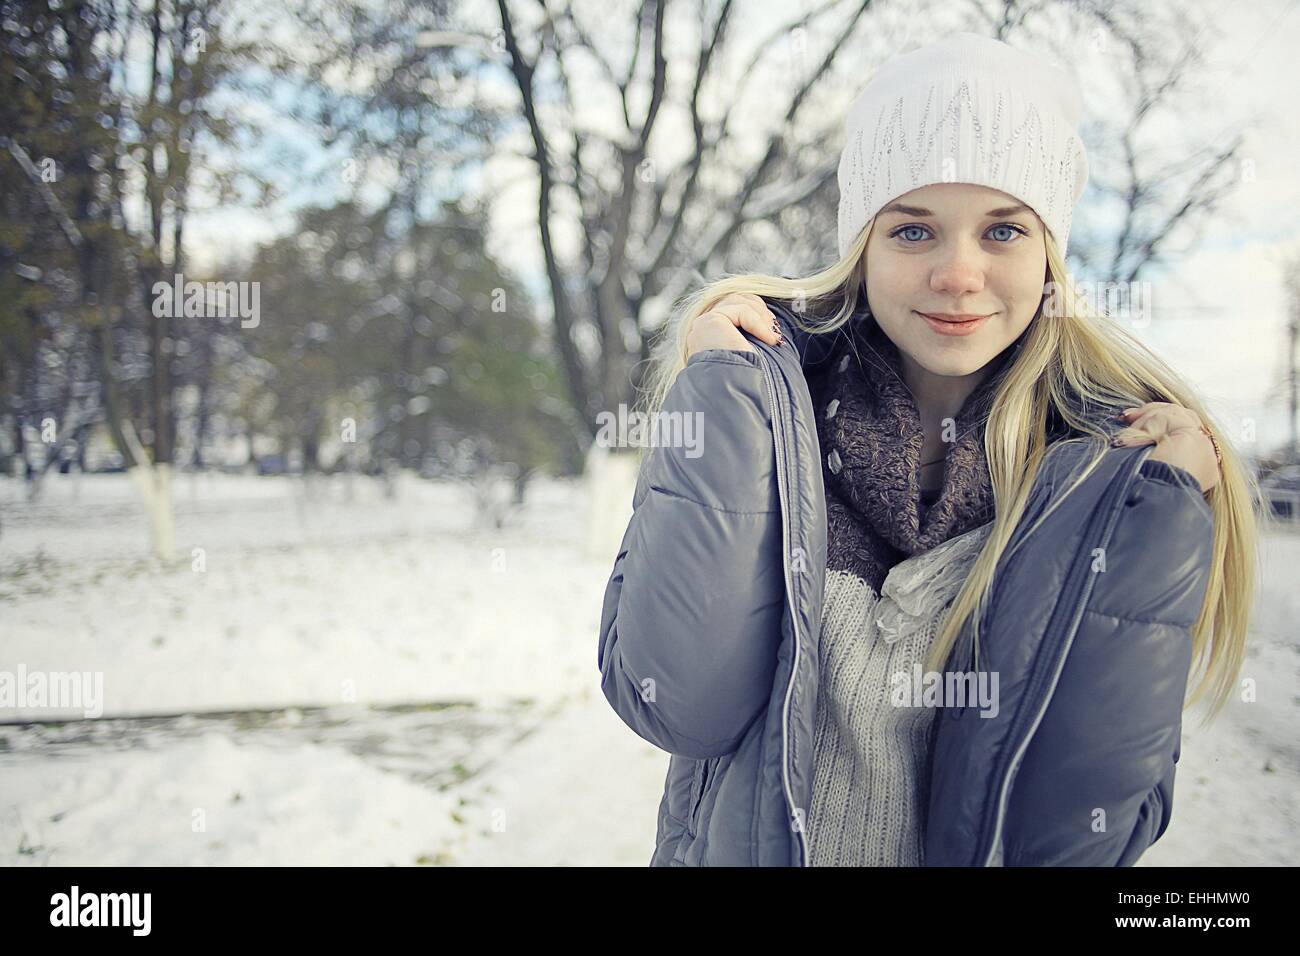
[(953, 323), (954, 317)]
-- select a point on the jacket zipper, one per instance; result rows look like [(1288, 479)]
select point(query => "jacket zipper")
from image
[(778, 432), (1118, 489)]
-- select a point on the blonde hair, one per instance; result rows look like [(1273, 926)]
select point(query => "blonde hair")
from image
[(1069, 360)]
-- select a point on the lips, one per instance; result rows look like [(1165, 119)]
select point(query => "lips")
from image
[(954, 324)]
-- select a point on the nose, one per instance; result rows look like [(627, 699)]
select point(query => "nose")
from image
[(960, 269)]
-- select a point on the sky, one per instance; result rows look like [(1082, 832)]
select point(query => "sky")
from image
[(1229, 339), (1221, 307)]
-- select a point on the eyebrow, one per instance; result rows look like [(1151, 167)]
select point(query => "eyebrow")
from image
[(918, 211)]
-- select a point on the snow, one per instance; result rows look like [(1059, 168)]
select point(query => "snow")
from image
[(305, 603), (375, 602), (212, 802), (1237, 790), (583, 791), (360, 679)]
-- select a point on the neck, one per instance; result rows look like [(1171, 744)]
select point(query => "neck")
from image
[(938, 397)]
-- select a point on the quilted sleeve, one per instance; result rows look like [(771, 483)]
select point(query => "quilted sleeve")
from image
[(691, 619)]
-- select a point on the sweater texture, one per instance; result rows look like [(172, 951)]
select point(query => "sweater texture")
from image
[(896, 559)]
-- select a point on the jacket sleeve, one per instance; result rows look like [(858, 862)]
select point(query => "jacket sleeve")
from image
[(691, 619), (1096, 785)]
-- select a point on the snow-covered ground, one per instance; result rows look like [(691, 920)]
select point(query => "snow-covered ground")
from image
[(334, 629), (348, 604), (373, 601)]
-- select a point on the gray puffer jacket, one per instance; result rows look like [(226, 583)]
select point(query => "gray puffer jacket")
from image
[(711, 617)]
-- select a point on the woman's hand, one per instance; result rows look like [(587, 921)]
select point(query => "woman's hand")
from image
[(1179, 437), (719, 327)]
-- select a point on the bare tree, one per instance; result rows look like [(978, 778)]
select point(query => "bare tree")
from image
[(647, 231), (650, 229), (113, 99), (1161, 190)]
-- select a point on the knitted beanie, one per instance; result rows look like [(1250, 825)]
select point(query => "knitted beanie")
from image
[(967, 109)]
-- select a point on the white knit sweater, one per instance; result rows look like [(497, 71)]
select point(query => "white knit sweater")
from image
[(871, 758)]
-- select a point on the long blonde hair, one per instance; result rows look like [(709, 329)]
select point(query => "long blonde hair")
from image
[(1069, 360)]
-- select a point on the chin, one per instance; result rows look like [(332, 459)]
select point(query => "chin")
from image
[(958, 370), (963, 359)]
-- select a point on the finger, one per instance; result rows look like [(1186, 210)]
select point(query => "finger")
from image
[(761, 322), (1142, 426), (1134, 418), (1138, 411), (1160, 418), (758, 318), (1132, 436), (1170, 408), (1160, 424), (754, 318), (730, 309), (717, 328), (1150, 425), (757, 300)]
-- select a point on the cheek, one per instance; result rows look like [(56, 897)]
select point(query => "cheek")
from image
[(1022, 291), (892, 281), (1027, 304)]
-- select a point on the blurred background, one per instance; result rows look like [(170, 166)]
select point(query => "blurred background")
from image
[(310, 313)]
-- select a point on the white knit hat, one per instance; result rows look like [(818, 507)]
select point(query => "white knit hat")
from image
[(966, 109)]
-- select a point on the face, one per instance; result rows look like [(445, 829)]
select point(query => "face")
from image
[(949, 250)]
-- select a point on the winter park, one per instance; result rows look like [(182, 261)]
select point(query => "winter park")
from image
[(333, 336)]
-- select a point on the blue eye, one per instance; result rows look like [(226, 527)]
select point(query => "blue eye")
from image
[(899, 232), (1015, 231), (913, 228)]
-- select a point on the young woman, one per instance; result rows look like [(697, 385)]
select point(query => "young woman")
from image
[(935, 588)]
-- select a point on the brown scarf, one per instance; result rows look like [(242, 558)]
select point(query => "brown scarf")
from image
[(870, 434)]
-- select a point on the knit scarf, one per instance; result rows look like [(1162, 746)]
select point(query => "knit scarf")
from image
[(870, 434)]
